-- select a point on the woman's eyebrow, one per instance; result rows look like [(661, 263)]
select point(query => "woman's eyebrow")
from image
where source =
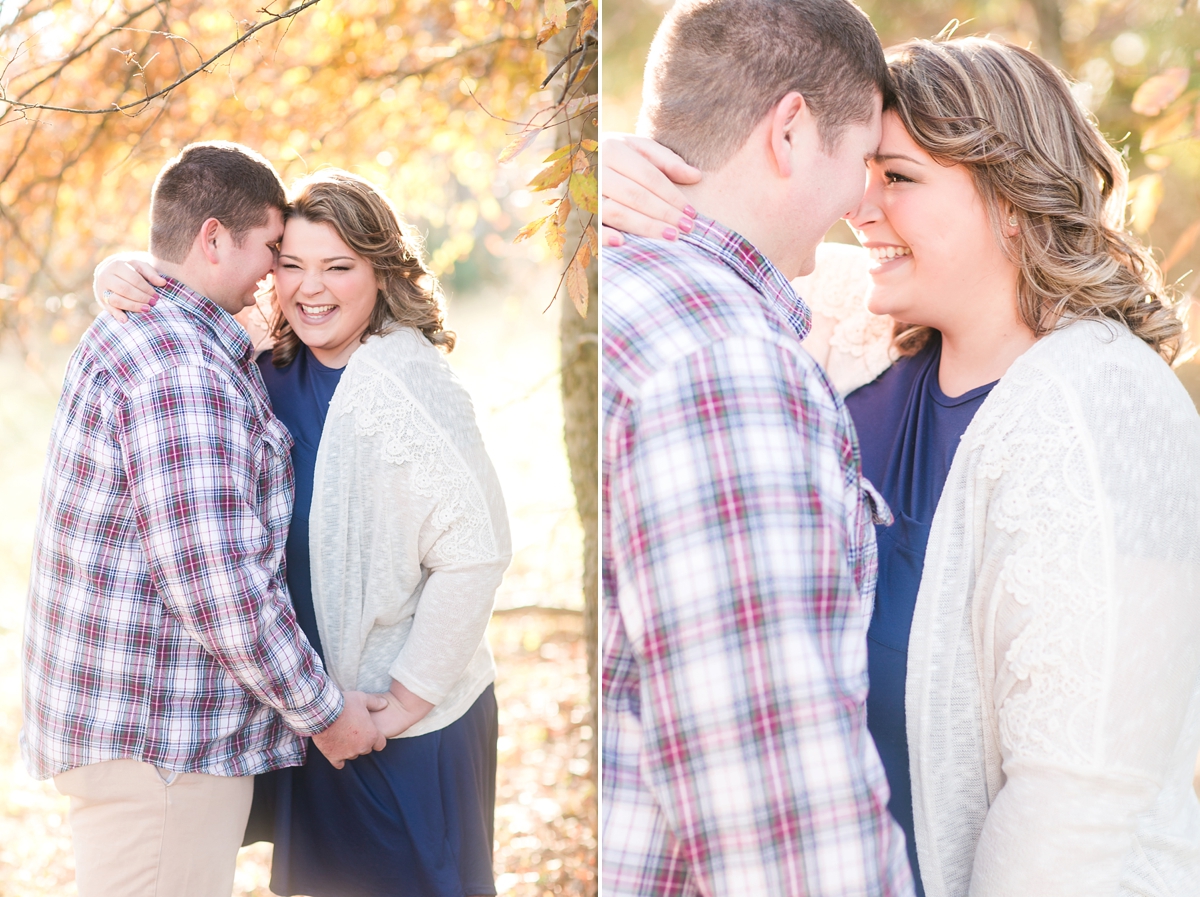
[(335, 258), (887, 157)]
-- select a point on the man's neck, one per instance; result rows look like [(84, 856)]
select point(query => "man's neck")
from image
[(191, 278), (739, 204)]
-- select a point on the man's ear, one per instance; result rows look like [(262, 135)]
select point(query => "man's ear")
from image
[(791, 118), (208, 239)]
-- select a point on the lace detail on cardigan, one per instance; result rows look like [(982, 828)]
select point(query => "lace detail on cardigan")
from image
[(1050, 684), (382, 405)]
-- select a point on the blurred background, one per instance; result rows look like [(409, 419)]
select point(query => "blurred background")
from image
[(1135, 64), (421, 98)]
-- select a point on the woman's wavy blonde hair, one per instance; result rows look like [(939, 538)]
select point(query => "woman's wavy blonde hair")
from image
[(409, 295), (1009, 117)]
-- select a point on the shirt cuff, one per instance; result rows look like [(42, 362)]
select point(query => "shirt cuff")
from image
[(319, 714)]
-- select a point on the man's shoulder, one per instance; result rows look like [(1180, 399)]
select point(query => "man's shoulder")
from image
[(667, 272), (665, 301), (146, 346)]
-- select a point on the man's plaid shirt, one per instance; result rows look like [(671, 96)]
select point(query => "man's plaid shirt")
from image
[(159, 627), (739, 571)]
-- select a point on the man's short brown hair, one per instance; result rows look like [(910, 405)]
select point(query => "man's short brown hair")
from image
[(716, 67), (221, 180)]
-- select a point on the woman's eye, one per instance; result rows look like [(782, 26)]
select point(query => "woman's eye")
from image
[(291, 266), (339, 268), (893, 177)]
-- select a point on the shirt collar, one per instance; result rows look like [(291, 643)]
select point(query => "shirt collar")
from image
[(753, 267), (228, 332)]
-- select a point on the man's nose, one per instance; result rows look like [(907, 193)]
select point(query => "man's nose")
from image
[(867, 211)]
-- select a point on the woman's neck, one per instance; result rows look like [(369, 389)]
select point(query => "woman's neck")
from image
[(980, 352)]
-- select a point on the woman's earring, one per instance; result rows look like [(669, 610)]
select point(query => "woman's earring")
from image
[(1012, 220)]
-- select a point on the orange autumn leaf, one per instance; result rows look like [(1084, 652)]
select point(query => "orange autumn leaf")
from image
[(583, 191), (515, 148), (1160, 91), (1182, 246), (556, 228), (586, 22), (1172, 126), (552, 175), (577, 285), (1145, 196), (530, 229)]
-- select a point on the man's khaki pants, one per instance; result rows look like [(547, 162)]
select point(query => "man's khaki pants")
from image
[(144, 832)]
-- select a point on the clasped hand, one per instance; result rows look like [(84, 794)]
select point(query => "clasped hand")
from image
[(367, 721)]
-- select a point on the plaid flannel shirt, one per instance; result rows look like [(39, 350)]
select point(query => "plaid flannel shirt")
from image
[(739, 572), (159, 626)]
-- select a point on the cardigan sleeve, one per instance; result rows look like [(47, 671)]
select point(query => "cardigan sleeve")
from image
[(462, 541), (1087, 649), (463, 573)]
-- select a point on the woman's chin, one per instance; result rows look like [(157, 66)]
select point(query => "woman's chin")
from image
[(880, 303)]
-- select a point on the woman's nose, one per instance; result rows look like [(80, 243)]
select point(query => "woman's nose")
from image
[(311, 284)]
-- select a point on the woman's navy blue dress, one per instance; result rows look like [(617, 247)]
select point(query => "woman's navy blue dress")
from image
[(413, 819), (908, 430)]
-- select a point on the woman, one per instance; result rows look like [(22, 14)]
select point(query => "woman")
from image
[(1042, 685), (398, 542)]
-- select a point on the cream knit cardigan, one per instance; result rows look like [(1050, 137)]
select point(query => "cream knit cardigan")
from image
[(1053, 688), (408, 532)]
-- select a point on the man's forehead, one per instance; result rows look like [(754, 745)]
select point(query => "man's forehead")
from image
[(274, 225)]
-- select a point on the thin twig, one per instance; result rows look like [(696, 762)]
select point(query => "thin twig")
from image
[(563, 276), (20, 107), (558, 65)]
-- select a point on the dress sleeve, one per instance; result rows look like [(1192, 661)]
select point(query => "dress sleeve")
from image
[(1081, 646), (730, 514), (192, 477)]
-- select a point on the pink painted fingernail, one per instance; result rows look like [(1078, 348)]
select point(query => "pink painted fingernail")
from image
[(686, 225), (669, 233), (689, 211), (154, 302)]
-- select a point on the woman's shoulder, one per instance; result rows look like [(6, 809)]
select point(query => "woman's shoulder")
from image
[(1090, 383), (402, 368), (399, 350), (1107, 368)]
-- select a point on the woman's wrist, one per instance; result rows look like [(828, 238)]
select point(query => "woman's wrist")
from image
[(404, 710), (410, 700)]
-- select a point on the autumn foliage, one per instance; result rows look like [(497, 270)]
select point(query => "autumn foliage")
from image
[(420, 96)]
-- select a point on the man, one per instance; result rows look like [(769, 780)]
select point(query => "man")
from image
[(739, 555), (163, 665)]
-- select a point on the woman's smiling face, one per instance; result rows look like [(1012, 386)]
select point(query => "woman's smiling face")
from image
[(326, 290), (932, 245)]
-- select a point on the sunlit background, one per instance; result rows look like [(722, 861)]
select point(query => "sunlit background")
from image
[(1110, 48), (420, 97)]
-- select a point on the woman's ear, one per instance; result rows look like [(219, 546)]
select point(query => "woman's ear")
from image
[(1011, 224)]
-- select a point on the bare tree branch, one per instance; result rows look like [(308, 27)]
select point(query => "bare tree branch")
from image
[(84, 49), (141, 104)]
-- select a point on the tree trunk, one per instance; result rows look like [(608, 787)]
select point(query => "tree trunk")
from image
[(580, 384), (1050, 20)]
